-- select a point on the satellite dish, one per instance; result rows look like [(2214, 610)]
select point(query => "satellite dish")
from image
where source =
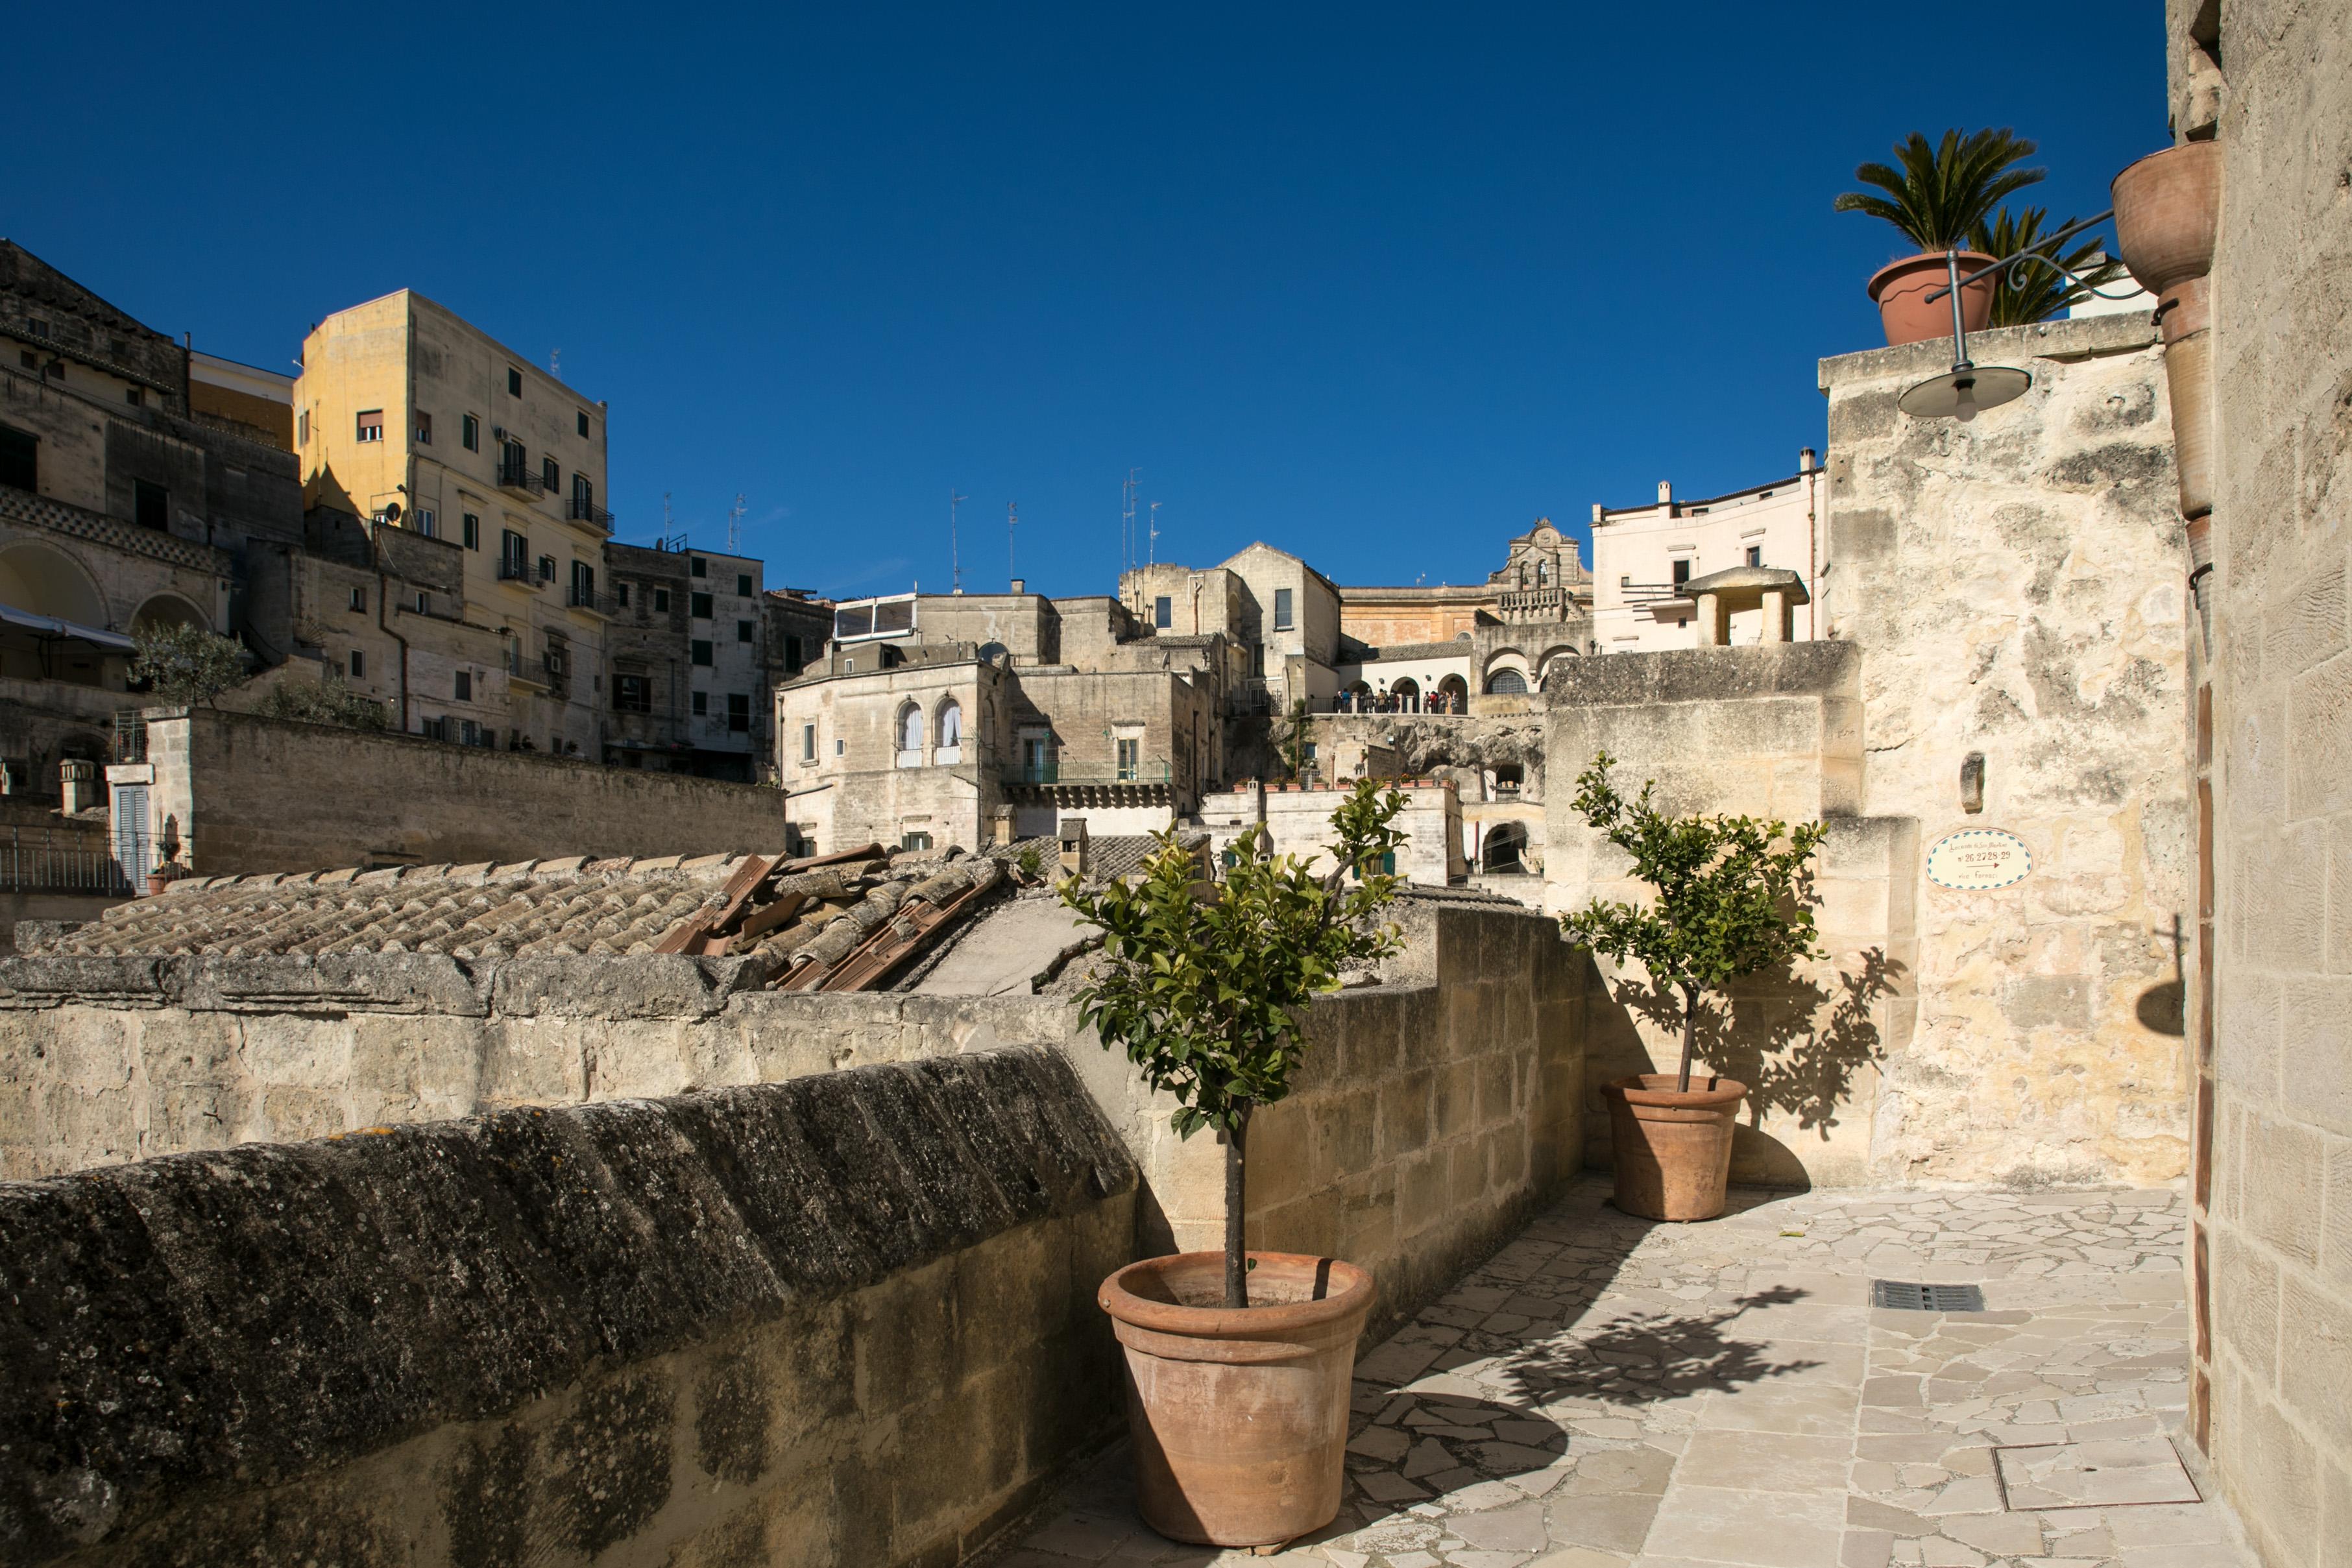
[(392, 511), (1964, 392)]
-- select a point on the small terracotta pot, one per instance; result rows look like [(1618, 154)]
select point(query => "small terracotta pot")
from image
[(157, 882), (2168, 211), (1239, 1416), (1899, 287), (1672, 1147)]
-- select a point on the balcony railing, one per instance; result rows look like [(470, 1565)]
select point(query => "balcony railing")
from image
[(1155, 771), (513, 570), (521, 476), (588, 598), (26, 866), (586, 511)]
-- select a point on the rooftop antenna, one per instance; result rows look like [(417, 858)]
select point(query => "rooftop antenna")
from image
[(555, 363), (955, 558), (735, 526), (1011, 519), (1153, 520), (1127, 520)]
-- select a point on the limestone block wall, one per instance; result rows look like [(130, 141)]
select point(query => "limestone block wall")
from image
[(2272, 1255), (255, 794), (1767, 731), (846, 1319), (2015, 586), (1451, 1089)]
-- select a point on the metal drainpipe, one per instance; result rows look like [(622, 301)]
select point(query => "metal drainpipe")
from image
[(384, 594)]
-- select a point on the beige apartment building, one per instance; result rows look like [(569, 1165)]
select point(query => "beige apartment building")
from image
[(408, 415), (1641, 556)]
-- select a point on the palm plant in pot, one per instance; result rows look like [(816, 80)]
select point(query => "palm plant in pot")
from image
[(1238, 1361), (2030, 291), (1731, 897), (1935, 193)]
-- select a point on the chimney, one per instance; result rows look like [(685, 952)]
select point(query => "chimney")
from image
[(1805, 460), (1596, 514), (1019, 585), (1667, 497)]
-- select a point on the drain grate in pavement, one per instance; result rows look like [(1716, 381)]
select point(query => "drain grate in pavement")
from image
[(2115, 1472), (1927, 1298)]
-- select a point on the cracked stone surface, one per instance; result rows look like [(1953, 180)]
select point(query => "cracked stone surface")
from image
[(1606, 1393)]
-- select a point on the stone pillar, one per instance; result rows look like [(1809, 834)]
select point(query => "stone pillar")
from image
[(78, 783), (1712, 632), (1776, 615)]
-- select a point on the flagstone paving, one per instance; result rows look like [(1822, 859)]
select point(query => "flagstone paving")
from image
[(1605, 1393)]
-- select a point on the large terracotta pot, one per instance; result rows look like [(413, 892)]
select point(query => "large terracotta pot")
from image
[(2168, 217), (1899, 290), (2167, 211), (1239, 1416), (1673, 1147)]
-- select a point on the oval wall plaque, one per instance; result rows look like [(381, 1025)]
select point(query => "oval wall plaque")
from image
[(1978, 859)]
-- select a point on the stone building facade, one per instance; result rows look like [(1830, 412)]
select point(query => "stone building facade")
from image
[(2269, 711), (976, 710), (124, 501), (408, 414), (1641, 556), (691, 665)]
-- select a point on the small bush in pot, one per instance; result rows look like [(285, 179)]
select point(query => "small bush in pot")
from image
[(1731, 897), (1935, 193), (1238, 1361)]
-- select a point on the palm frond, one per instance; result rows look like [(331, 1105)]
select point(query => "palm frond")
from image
[(1942, 189), (2029, 291)]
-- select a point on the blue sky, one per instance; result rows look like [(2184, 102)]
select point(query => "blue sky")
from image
[(1377, 284)]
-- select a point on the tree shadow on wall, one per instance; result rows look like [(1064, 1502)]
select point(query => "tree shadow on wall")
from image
[(1797, 1040)]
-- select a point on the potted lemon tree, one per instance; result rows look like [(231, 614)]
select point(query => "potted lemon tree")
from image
[(1238, 1361), (1730, 896)]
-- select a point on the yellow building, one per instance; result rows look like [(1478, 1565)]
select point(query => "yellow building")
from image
[(409, 415)]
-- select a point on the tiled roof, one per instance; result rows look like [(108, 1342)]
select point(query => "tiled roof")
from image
[(732, 905), (563, 906)]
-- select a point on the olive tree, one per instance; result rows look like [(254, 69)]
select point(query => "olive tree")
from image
[(1205, 984), (186, 664), (1733, 896)]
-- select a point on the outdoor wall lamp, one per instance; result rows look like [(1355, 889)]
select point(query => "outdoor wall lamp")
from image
[(1968, 389)]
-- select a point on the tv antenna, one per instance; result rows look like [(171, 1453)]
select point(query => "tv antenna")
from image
[(1126, 493), (555, 363), (955, 558), (735, 526), (1153, 520), (1011, 520)]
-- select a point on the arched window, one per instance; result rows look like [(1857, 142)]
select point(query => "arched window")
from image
[(1543, 574), (1407, 692), (1506, 683), (950, 732), (910, 736)]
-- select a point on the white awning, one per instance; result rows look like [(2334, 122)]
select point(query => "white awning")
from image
[(54, 626)]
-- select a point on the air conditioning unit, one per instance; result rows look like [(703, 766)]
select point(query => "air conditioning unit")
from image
[(498, 432)]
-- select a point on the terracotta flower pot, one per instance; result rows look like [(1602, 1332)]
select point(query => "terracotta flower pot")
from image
[(1899, 290), (1239, 1416), (2168, 217), (1672, 1147), (2167, 211)]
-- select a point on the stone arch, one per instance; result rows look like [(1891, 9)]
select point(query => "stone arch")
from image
[(1504, 849), (907, 732), (947, 722), (1554, 660), (1455, 691), (169, 609), (1506, 672), (40, 579)]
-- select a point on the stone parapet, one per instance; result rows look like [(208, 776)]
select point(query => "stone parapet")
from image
[(843, 1319)]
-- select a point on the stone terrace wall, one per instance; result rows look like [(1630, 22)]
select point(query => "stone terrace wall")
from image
[(845, 1320), (2273, 1394), (254, 795), (2016, 585), (1768, 730), (1429, 1114)]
